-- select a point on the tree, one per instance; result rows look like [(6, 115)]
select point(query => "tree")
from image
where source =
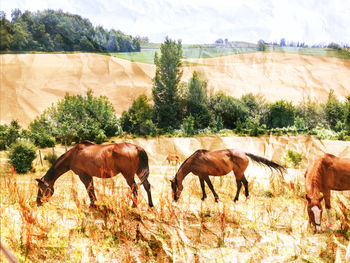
[(77, 118), (347, 115), (5, 32), (165, 85), (197, 101), (261, 45), (282, 42), (138, 118), (281, 114), (334, 110), (20, 37), (229, 109)]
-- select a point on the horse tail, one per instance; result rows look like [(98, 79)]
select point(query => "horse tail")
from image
[(143, 169), (272, 165)]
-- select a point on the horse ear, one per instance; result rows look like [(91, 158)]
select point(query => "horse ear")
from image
[(171, 181), (40, 181)]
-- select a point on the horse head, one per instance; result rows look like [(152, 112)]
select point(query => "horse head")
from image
[(45, 191), (175, 188), (314, 209)]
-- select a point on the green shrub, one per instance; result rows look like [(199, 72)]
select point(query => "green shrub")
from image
[(323, 133), (281, 114), (9, 134), (75, 118), (51, 157), (188, 126), (21, 155), (229, 109), (100, 137), (293, 159), (138, 118)]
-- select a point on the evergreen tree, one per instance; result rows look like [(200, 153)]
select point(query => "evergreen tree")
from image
[(334, 110), (165, 85), (197, 101)]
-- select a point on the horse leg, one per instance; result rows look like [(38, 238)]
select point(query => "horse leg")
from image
[(131, 182), (147, 187), (245, 183), (327, 200), (89, 185), (207, 180), (239, 186), (203, 189)]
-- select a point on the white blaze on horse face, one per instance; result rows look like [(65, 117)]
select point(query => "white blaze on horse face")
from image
[(317, 214)]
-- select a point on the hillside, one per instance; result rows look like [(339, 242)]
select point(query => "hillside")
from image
[(32, 82)]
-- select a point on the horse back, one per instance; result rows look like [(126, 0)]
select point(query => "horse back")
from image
[(336, 172), (214, 163)]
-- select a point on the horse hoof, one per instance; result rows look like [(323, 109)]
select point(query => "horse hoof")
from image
[(134, 205), (203, 198)]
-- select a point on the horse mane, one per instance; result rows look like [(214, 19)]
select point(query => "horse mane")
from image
[(49, 176), (192, 156)]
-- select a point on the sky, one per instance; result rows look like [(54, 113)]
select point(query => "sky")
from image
[(204, 21)]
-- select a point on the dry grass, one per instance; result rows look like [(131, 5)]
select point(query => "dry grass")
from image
[(269, 226)]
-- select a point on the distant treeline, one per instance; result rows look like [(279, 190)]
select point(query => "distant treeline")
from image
[(51, 30)]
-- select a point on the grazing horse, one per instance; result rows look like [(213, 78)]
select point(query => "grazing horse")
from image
[(173, 158), (326, 173), (218, 163), (88, 159)]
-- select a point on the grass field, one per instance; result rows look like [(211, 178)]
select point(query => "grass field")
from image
[(147, 54), (269, 226)]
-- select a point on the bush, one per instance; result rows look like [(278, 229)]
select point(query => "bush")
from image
[(51, 157), (281, 114), (323, 133), (334, 110), (188, 126), (100, 137), (22, 154), (9, 134), (138, 118), (293, 158), (229, 109), (75, 118)]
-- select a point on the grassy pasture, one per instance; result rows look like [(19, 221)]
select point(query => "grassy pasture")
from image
[(146, 55), (269, 226)]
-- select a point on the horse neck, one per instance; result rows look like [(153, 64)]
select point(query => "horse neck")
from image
[(61, 166), (182, 173), (316, 180)]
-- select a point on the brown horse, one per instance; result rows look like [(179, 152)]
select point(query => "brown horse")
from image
[(326, 173), (88, 159), (173, 158), (218, 163)]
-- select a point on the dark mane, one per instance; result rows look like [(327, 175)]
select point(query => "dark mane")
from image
[(49, 176), (192, 156)]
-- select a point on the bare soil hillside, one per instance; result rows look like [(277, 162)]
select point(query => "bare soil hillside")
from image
[(30, 83)]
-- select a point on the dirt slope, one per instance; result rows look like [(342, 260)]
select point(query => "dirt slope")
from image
[(32, 82)]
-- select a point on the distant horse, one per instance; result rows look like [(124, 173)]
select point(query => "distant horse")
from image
[(173, 158), (218, 163), (325, 174), (88, 159)]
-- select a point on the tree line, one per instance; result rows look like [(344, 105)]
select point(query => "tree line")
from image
[(51, 30), (180, 109)]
